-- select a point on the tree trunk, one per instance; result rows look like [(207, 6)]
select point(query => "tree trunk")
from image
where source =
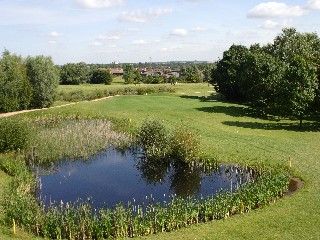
[(300, 125)]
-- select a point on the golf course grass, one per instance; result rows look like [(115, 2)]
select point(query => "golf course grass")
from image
[(230, 133)]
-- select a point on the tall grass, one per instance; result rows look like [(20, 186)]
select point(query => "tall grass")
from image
[(73, 139)]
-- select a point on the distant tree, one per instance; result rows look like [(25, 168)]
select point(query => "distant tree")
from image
[(44, 80), (158, 79), (74, 73), (15, 89), (128, 74), (101, 76), (207, 72), (137, 77), (192, 74)]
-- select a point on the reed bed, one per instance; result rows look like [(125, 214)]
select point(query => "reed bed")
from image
[(74, 139)]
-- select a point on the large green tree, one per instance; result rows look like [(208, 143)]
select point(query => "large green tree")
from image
[(44, 80), (74, 73), (298, 87), (226, 77), (128, 74), (101, 75), (281, 78), (15, 89)]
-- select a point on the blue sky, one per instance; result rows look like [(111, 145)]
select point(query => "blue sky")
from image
[(103, 31)]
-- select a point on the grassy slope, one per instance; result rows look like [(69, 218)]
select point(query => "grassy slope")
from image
[(232, 133)]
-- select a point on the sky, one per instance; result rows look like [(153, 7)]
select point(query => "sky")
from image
[(105, 31)]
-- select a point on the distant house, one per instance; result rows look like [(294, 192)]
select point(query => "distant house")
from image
[(152, 73), (116, 71)]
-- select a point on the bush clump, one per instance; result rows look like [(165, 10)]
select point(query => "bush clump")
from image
[(153, 137), (180, 145), (14, 135), (185, 145)]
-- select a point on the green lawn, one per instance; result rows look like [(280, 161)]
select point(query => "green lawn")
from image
[(231, 133)]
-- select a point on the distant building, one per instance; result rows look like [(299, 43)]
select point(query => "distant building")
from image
[(116, 71)]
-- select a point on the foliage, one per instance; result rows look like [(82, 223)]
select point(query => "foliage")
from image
[(101, 76), (44, 80), (153, 137), (58, 138), (227, 75), (15, 89), (190, 74), (74, 73), (14, 135), (279, 78), (128, 74), (184, 145)]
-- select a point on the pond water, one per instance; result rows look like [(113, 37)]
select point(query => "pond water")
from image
[(112, 177)]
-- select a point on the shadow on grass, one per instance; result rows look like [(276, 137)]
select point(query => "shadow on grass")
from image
[(306, 127), (236, 111), (211, 98), (310, 123)]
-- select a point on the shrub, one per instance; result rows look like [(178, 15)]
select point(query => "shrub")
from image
[(185, 145), (14, 135), (153, 137)]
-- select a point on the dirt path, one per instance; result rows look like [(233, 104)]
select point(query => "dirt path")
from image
[(2, 115)]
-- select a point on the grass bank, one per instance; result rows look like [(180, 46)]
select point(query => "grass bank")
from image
[(231, 133)]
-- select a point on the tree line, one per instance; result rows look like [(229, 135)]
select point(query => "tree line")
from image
[(79, 73), (280, 78)]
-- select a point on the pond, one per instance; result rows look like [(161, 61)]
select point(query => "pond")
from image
[(112, 177)]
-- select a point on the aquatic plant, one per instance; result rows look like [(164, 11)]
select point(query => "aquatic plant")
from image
[(81, 220), (74, 139)]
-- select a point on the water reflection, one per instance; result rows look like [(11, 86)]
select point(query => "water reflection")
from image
[(112, 177)]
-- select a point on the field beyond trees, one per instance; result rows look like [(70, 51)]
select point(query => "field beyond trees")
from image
[(230, 133)]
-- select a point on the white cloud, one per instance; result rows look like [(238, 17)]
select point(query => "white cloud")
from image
[(179, 32), (313, 4), (99, 3), (139, 42), (55, 34), (144, 16), (270, 24), (108, 37), (276, 9), (52, 41)]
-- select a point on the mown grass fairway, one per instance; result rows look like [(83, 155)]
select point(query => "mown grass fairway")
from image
[(231, 133)]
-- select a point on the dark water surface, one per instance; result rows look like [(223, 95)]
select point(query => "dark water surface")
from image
[(112, 177)]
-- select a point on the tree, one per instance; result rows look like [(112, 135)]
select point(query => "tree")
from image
[(298, 87), (128, 74), (44, 80), (301, 53), (137, 77), (260, 79), (101, 75), (207, 72), (74, 73), (227, 74), (15, 89)]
